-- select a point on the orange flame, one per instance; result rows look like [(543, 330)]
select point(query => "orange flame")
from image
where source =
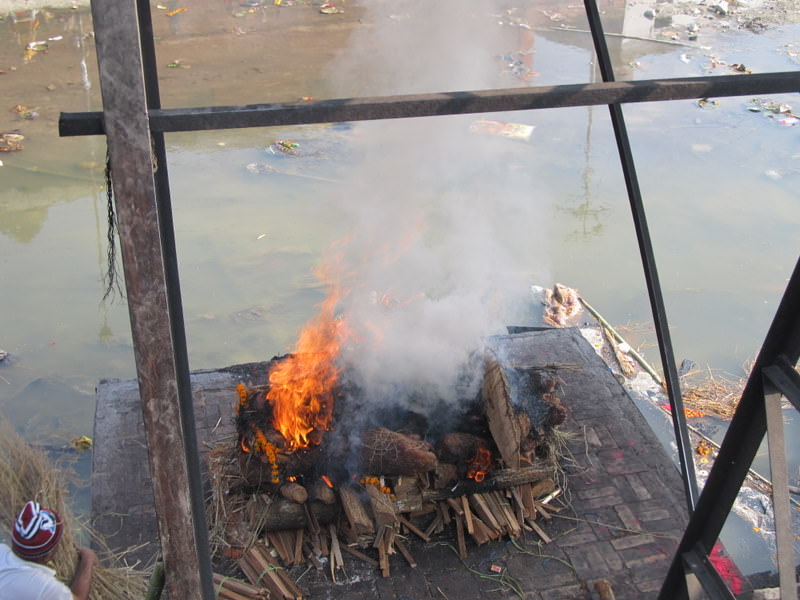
[(327, 481), (302, 385), (480, 464)]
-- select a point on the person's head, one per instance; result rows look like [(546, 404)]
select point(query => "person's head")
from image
[(36, 533)]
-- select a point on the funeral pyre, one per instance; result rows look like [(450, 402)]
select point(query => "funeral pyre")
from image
[(312, 475)]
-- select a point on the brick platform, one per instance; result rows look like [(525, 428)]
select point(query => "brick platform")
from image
[(622, 523)]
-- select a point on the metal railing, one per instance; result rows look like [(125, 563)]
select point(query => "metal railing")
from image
[(134, 124)]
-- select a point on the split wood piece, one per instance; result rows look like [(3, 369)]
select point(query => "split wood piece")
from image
[(228, 588), (444, 510), (294, 492), (383, 509), (456, 506), (336, 558), (406, 554), (500, 415), (497, 480), (359, 555), (383, 554), (504, 509), (276, 541), (413, 528), (519, 506), (261, 569), (481, 532), (467, 514), (298, 546), (497, 512), (313, 555), (539, 531), (387, 452), (355, 512), (526, 491), (425, 509), (462, 543), (435, 526), (540, 509), (481, 508), (604, 590)]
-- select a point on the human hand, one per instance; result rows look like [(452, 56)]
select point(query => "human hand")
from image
[(88, 556)]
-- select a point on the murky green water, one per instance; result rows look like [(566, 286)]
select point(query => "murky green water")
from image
[(495, 214)]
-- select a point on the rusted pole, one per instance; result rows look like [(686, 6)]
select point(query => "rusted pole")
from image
[(127, 131)]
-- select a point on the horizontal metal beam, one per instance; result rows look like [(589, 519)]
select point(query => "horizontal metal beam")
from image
[(445, 103)]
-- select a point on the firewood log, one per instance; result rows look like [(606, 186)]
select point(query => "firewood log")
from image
[(385, 452), (294, 492), (322, 492)]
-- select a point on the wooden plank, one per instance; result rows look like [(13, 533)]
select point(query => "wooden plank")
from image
[(298, 546), (462, 544), (406, 554), (500, 415), (355, 511), (467, 514), (168, 421), (539, 531), (359, 555), (413, 528)]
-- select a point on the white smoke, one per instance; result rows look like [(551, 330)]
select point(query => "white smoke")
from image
[(447, 229)]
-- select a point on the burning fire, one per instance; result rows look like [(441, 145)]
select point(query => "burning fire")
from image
[(302, 386), (479, 466)]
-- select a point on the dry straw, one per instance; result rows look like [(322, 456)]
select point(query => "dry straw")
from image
[(27, 474)]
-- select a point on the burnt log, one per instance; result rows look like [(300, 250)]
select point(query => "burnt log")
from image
[(497, 480), (281, 514), (386, 452)]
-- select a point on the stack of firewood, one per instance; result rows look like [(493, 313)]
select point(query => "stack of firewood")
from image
[(485, 486)]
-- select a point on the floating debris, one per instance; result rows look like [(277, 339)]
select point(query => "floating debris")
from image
[(11, 141)]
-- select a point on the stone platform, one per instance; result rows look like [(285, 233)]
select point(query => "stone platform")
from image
[(623, 508)]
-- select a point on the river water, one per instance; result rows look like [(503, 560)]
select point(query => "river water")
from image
[(497, 214)]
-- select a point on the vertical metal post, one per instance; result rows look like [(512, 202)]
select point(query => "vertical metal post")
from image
[(648, 263), (780, 492), (127, 128)]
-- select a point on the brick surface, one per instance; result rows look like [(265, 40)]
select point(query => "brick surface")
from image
[(624, 494)]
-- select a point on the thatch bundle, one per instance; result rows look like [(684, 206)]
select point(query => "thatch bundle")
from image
[(27, 474)]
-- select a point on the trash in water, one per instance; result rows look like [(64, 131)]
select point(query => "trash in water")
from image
[(514, 64), (178, 64), (329, 9), (177, 11), (11, 141), (740, 68), (284, 147), (517, 131), (779, 111), (686, 58), (25, 113), (706, 103), (81, 442)]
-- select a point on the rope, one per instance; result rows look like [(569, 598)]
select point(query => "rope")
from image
[(111, 278)]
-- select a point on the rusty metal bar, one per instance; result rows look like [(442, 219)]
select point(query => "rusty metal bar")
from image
[(127, 128), (445, 103), (657, 307)]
